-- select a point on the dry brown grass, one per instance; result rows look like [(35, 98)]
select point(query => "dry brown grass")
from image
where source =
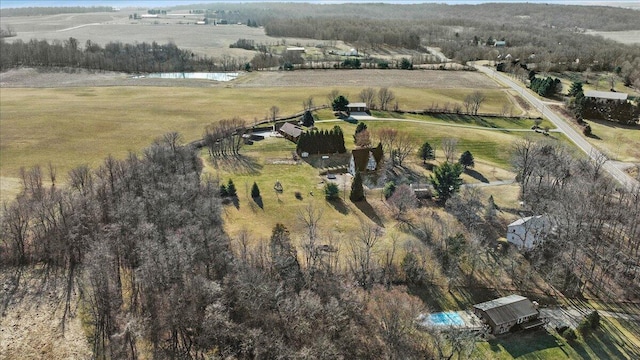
[(30, 326)]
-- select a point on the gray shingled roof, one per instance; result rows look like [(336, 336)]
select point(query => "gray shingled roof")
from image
[(291, 130), (508, 308), (605, 95)]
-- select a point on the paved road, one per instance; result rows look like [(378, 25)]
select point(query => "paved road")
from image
[(623, 178), (572, 316)]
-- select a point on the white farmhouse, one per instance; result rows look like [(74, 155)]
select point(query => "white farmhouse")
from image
[(528, 232)]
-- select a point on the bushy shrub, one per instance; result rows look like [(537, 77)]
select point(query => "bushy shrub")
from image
[(569, 334), (388, 189)]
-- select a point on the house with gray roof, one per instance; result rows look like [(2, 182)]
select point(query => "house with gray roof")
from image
[(506, 312)]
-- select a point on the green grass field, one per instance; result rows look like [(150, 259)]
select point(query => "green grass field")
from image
[(611, 341)]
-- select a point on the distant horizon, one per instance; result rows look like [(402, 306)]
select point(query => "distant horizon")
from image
[(6, 4)]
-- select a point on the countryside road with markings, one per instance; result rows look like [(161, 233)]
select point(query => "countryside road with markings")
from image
[(622, 177)]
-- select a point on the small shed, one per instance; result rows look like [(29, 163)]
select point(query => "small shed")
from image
[(500, 43), (504, 313), (357, 107), (528, 232), (290, 131)]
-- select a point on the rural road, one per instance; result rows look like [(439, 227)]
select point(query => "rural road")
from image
[(622, 177)]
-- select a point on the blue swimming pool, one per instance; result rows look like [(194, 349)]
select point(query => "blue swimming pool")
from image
[(445, 318)]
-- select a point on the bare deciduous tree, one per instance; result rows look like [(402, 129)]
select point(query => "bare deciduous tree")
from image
[(368, 96), (385, 97), (362, 248), (449, 147), (473, 101)]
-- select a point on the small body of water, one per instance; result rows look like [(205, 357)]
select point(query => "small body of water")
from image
[(217, 76)]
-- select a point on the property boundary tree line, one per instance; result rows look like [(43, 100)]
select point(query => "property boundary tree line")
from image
[(322, 141)]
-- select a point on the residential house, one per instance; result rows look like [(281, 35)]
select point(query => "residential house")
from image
[(528, 232), (500, 43), (506, 312), (356, 107), (290, 131), (365, 160)]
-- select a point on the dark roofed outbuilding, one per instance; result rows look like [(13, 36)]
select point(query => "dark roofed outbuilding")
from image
[(290, 131)]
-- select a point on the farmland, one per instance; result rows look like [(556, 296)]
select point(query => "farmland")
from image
[(177, 253), (81, 124)]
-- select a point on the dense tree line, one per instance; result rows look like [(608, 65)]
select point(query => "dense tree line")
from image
[(322, 141), (114, 56), (622, 112), (225, 137), (595, 242), (547, 87)]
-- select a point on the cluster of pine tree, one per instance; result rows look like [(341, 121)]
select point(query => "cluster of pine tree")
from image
[(546, 87), (322, 141), (622, 112)]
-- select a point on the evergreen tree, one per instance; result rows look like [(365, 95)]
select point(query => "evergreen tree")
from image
[(223, 191), (576, 87), (446, 180), (255, 191), (331, 191), (466, 160), (426, 152), (307, 119), (340, 103), (388, 189), (231, 189), (357, 190)]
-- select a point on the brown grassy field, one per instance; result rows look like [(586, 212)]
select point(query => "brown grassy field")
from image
[(102, 28), (76, 125)]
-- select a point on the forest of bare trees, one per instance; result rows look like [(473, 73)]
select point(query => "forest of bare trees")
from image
[(595, 243), (115, 56), (143, 242)]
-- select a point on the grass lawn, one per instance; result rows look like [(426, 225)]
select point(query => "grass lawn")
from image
[(619, 141), (491, 146), (612, 341), (462, 119)]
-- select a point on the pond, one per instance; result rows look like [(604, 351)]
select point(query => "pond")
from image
[(217, 76)]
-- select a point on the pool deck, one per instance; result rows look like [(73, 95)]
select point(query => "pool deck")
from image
[(461, 320)]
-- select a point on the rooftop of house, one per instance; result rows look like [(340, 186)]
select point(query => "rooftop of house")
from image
[(609, 95), (357, 105), (507, 309), (291, 130), (525, 220)]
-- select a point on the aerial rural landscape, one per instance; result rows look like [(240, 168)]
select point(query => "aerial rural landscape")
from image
[(319, 180)]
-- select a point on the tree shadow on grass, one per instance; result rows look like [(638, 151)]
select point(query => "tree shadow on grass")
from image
[(476, 175), (607, 343), (526, 342), (259, 202), (238, 164), (339, 205), (369, 211)]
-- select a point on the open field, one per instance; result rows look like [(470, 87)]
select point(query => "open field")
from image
[(619, 142), (76, 125), (102, 28), (625, 37)]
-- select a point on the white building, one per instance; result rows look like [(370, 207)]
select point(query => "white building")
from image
[(528, 232)]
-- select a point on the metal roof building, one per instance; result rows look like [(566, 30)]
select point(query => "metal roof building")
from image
[(504, 313)]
